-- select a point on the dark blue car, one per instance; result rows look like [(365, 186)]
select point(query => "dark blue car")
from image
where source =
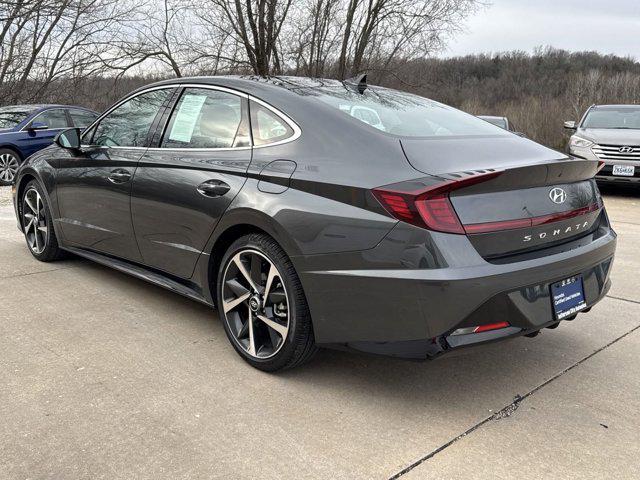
[(25, 129)]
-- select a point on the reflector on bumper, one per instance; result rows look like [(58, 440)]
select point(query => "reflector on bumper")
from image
[(480, 328)]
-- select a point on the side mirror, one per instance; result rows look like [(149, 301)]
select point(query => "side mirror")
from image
[(38, 126), (571, 125), (69, 139)]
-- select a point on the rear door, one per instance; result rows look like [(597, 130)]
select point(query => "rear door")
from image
[(94, 185), (187, 180)]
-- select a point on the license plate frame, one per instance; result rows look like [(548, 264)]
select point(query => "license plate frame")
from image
[(567, 297), (624, 170)]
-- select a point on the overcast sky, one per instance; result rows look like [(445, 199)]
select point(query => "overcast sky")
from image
[(607, 26)]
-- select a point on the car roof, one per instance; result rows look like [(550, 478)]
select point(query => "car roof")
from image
[(39, 106), (492, 117), (251, 81), (611, 106)]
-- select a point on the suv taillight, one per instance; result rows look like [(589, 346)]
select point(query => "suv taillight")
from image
[(430, 207)]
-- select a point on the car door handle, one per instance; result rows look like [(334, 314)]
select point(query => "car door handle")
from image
[(120, 175), (213, 188)]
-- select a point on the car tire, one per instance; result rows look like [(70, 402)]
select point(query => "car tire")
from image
[(271, 330), (9, 163), (37, 224)]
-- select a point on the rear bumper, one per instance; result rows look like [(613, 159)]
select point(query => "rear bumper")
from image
[(411, 312)]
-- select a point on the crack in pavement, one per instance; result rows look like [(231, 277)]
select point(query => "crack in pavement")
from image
[(513, 406), (9, 277), (623, 299)]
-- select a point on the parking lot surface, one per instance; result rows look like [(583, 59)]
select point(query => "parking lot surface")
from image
[(103, 376)]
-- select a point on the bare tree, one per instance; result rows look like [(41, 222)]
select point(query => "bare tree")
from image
[(257, 25), (379, 31), (45, 40)]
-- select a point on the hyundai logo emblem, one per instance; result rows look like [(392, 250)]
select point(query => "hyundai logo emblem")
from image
[(557, 195), (626, 149)]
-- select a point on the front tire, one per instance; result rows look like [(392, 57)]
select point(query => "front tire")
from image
[(262, 305), (9, 164), (37, 224)]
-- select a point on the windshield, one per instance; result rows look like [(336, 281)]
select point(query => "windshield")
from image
[(10, 117), (619, 118), (403, 114)]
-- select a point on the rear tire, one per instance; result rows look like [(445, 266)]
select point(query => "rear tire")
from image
[(37, 224), (9, 163), (262, 305)]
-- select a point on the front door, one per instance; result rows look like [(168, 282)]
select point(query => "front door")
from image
[(55, 120), (94, 186), (183, 186)]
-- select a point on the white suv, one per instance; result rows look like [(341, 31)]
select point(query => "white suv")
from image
[(610, 133)]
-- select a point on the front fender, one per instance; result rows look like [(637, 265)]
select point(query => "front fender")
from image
[(36, 167)]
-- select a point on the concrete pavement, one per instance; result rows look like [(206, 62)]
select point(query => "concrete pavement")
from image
[(105, 376)]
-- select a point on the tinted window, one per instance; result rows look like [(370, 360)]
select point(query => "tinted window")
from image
[(267, 127), (11, 116), (624, 118), (129, 124), (205, 118), (82, 118), (402, 113), (56, 118)]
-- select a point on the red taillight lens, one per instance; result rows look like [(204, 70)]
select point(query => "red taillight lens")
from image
[(491, 326), (423, 210), (438, 214), (430, 207), (480, 328)]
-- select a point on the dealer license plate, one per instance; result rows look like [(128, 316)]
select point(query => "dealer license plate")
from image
[(568, 297)]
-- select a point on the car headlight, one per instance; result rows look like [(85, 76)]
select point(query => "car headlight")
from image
[(580, 142)]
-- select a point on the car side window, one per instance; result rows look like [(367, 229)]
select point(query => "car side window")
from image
[(82, 118), (129, 124), (55, 118), (205, 118), (267, 127)]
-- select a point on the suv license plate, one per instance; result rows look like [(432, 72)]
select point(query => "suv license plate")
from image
[(624, 170), (567, 297)]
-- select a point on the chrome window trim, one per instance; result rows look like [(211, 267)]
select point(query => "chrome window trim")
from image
[(187, 149), (297, 131), (25, 129)]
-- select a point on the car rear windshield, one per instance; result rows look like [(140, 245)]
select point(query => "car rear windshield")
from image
[(404, 114), (618, 118), (10, 117)]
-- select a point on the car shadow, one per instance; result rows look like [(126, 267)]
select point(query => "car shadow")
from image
[(503, 369)]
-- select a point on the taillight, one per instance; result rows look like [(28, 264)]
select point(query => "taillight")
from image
[(430, 207)]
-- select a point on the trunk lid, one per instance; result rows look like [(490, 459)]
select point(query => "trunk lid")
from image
[(540, 198)]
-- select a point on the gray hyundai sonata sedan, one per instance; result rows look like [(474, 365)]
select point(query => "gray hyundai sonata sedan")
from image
[(319, 213)]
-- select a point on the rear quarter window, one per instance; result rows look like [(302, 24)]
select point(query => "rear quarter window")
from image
[(267, 127)]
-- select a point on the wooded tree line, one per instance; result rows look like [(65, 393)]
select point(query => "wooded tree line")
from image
[(92, 52), (536, 91)]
